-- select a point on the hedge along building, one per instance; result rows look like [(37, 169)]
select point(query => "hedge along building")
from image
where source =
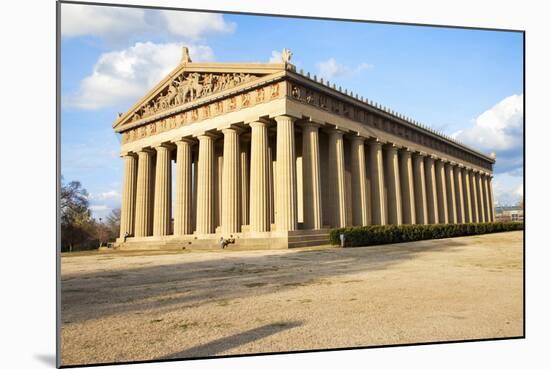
[(273, 158)]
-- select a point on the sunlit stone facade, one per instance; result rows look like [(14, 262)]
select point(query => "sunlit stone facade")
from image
[(273, 158)]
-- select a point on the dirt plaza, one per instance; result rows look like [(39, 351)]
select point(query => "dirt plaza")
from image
[(132, 305)]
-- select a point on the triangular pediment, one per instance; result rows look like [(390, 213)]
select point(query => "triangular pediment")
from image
[(190, 82)]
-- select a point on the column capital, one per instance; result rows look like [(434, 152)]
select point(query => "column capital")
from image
[(284, 118), (163, 145), (145, 150), (390, 146), (182, 140), (124, 154), (206, 135), (310, 124), (334, 131), (375, 142), (233, 129), (356, 137), (259, 123), (420, 154)]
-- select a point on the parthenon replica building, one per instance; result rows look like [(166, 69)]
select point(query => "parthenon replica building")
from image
[(274, 158)]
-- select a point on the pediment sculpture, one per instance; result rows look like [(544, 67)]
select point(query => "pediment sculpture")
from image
[(188, 87)]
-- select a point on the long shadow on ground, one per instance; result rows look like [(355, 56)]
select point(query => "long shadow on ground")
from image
[(236, 340), (100, 294)]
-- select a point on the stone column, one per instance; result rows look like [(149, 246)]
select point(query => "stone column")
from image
[(441, 185), (231, 188), (245, 182), (128, 206), (468, 213), (183, 205), (313, 209), (359, 193), (286, 203), (407, 187), (459, 195), (143, 194), (259, 199), (480, 197), (376, 166), (163, 192), (487, 199), (473, 198), (451, 198), (420, 193), (205, 185), (395, 214), (195, 182), (337, 180), (431, 191), (270, 176)]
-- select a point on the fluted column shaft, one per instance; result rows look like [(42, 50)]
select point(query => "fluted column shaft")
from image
[(259, 199), (205, 185), (313, 209), (395, 211), (245, 182), (376, 166), (468, 211), (163, 192), (441, 184), (407, 187), (451, 198), (183, 192), (230, 182), (459, 195), (143, 194), (420, 196), (359, 190), (474, 198), (480, 198), (431, 191), (337, 181), (128, 205), (487, 199), (287, 205)]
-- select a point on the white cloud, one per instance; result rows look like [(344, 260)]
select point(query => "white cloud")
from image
[(80, 20), (330, 68), (507, 189), (123, 76), (193, 26), (497, 129), (120, 24), (519, 190), (276, 57)]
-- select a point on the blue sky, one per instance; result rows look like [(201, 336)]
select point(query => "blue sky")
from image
[(466, 83)]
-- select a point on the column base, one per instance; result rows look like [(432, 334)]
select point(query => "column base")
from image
[(243, 241)]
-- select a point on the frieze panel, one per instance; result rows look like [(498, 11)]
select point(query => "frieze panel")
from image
[(188, 87), (335, 106), (233, 103)]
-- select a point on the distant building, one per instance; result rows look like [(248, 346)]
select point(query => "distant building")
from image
[(509, 214)]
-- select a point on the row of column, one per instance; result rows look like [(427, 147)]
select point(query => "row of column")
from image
[(389, 185)]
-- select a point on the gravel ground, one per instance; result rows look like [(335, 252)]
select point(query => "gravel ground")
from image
[(124, 306)]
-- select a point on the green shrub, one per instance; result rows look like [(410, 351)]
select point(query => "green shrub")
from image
[(378, 235)]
